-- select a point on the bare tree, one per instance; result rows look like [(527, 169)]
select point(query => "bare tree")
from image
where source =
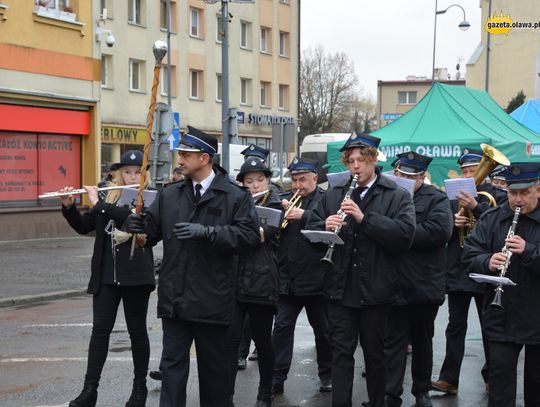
[(328, 89)]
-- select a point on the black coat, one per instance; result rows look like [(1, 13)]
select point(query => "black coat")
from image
[(386, 231), (519, 321), (138, 271), (457, 279), (258, 274), (300, 270), (422, 274), (196, 277)]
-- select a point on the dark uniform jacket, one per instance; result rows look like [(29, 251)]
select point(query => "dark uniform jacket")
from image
[(422, 274), (196, 277), (386, 231), (457, 279), (258, 274), (300, 270), (138, 271), (519, 321)]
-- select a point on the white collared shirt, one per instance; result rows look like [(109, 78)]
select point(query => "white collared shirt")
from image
[(205, 183), (368, 186)]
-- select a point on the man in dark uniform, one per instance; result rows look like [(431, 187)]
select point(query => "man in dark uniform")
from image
[(363, 283), (459, 287), (517, 323), (203, 221), (254, 150), (301, 280), (422, 282)]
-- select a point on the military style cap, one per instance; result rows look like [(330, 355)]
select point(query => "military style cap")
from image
[(130, 157), (301, 164), (469, 157), (521, 175), (411, 163), (255, 151), (363, 140), (253, 164), (198, 141), (498, 172)]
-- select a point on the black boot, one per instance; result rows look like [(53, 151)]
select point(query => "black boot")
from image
[(88, 396), (264, 398), (138, 394)]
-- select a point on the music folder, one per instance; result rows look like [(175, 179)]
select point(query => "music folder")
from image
[(318, 236), (129, 197), (269, 216), (483, 278)]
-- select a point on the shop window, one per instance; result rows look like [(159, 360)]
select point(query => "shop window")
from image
[(32, 164)]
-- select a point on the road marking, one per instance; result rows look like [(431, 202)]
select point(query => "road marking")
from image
[(83, 324)]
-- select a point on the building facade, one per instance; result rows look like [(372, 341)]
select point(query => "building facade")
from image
[(395, 98), (514, 59), (263, 68), (49, 116)]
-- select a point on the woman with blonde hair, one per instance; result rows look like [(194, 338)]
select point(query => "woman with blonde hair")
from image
[(114, 278)]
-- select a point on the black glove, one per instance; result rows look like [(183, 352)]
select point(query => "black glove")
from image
[(134, 223), (196, 231)]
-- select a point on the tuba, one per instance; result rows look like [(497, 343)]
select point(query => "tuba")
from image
[(490, 159)]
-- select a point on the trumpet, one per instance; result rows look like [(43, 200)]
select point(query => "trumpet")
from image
[(294, 202), (81, 191), (327, 259), (503, 268)]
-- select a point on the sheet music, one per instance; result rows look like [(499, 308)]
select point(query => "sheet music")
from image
[(337, 178), (129, 197), (317, 236), (407, 184), (454, 186), (483, 278), (269, 216)]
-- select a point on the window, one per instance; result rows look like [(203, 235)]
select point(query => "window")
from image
[(283, 44), (106, 74), (165, 80), (195, 85), (61, 5), (218, 29), (265, 94), (195, 22), (265, 40), (219, 84), (407, 98), (57, 9), (284, 97), (134, 11), (106, 4), (135, 75), (245, 91), (163, 15), (245, 35)]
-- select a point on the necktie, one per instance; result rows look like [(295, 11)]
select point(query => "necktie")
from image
[(198, 188)]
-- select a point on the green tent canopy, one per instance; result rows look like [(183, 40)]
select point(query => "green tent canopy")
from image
[(446, 120)]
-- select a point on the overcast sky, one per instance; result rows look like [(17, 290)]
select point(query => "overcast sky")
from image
[(390, 39)]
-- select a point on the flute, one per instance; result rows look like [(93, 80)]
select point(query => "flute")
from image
[(56, 194)]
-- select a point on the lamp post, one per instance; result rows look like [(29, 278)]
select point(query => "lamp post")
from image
[(464, 26)]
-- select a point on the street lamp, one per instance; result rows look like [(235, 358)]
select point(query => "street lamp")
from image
[(464, 26)]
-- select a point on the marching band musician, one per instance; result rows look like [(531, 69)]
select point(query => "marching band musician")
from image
[(363, 284), (204, 221), (257, 288), (301, 280), (517, 323), (114, 278), (422, 282), (459, 287)]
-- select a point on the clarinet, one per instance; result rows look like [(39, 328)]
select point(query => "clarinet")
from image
[(503, 268), (327, 259)]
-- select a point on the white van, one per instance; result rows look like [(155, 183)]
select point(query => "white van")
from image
[(236, 159), (314, 147)]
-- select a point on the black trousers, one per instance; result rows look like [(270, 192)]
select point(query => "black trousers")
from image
[(503, 374), (213, 362), (347, 325), (245, 340), (414, 322), (260, 318), (289, 307), (105, 308), (458, 312)]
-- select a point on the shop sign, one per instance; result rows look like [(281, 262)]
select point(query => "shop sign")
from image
[(268, 120), (122, 135)]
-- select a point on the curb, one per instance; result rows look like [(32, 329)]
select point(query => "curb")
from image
[(29, 299)]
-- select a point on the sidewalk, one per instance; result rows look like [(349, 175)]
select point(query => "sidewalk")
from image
[(41, 269)]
